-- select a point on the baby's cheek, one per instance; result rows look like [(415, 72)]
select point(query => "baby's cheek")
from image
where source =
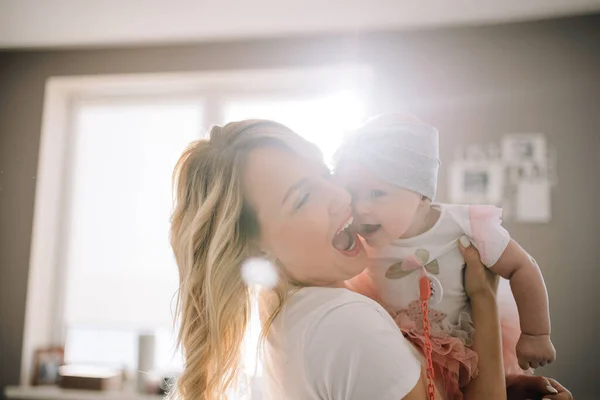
[(401, 218), (402, 223), (400, 210)]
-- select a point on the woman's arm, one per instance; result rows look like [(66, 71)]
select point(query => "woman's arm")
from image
[(490, 383), (481, 285)]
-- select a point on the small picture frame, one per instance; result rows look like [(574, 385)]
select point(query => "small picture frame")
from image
[(47, 363), (524, 149), (476, 182)]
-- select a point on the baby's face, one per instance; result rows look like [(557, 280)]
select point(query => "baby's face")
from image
[(382, 212)]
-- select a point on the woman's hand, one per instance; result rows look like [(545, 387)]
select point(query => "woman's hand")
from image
[(520, 387), (481, 285), (478, 279)]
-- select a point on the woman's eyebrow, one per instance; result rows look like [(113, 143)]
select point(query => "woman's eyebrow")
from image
[(293, 188)]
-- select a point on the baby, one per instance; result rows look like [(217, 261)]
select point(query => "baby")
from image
[(390, 167)]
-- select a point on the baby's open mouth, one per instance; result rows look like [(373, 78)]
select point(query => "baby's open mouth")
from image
[(344, 240), (368, 229)]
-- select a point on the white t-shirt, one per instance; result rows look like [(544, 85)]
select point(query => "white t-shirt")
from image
[(334, 344), (397, 280)]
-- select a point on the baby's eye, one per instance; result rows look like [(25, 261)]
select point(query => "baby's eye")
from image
[(377, 193)]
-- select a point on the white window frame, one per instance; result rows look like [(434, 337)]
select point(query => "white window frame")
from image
[(47, 281)]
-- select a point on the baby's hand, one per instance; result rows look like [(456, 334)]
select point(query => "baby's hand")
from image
[(535, 351)]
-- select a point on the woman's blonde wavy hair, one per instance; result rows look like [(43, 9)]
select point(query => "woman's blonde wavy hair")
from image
[(213, 231)]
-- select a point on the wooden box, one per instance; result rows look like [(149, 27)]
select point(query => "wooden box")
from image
[(90, 378)]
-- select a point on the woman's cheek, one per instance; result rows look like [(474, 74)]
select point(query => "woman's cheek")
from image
[(312, 239)]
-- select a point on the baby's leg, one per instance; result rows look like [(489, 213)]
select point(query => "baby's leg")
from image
[(364, 285)]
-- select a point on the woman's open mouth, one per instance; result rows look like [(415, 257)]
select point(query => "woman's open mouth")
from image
[(345, 241)]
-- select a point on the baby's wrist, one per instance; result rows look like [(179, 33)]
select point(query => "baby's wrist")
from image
[(535, 334)]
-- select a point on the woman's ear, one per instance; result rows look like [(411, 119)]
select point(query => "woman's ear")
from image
[(259, 248)]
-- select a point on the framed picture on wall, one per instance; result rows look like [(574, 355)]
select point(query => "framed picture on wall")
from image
[(476, 182), (47, 363), (524, 149)]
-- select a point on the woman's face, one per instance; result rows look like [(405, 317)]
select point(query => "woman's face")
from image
[(302, 216)]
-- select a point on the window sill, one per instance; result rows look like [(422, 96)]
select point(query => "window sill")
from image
[(55, 393)]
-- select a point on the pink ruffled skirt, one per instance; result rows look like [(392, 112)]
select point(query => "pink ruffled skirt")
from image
[(455, 363)]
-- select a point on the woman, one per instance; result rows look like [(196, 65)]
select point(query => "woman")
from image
[(256, 188)]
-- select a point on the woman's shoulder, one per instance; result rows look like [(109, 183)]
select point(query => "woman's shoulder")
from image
[(330, 296), (354, 336), (315, 303), (322, 312), (349, 318)]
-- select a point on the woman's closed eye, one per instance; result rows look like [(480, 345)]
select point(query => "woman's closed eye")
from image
[(301, 201)]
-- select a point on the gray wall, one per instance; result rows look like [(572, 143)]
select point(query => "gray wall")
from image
[(473, 83)]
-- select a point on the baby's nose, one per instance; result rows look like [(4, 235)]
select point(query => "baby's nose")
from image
[(361, 207)]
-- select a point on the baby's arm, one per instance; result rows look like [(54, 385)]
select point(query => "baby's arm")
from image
[(534, 348), (528, 288)]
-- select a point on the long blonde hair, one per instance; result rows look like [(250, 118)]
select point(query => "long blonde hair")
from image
[(213, 231)]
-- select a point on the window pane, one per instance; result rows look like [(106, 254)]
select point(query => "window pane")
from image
[(104, 347), (118, 348), (121, 273)]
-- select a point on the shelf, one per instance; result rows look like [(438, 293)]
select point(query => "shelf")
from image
[(55, 393)]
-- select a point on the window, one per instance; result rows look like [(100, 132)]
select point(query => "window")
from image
[(322, 120), (121, 273), (115, 273)]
